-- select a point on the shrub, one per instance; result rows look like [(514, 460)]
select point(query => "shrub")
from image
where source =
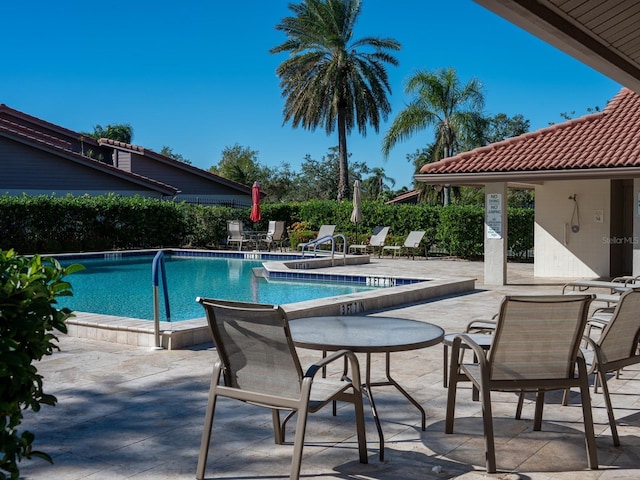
[(28, 316)]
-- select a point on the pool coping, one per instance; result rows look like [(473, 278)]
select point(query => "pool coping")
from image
[(398, 290)]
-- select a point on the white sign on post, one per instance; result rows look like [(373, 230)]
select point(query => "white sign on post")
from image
[(494, 215)]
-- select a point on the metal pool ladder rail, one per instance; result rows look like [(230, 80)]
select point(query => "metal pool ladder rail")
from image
[(327, 239), (158, 267)]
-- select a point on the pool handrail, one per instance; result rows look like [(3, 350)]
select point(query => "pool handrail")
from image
[(328, 239), (158, 266)]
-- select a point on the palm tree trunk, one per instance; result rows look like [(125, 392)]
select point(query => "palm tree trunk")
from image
[(343, 182)]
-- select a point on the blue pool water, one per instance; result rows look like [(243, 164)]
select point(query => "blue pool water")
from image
[(123, 287)]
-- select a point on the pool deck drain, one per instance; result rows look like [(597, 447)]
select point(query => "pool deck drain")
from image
[(183, 334)]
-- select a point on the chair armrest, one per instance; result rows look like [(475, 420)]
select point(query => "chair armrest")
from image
[(480, 353), (590, 342), (350, 356), (482, 324)]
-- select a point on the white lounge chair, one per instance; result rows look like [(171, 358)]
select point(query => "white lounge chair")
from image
[(377, 240), (411, 244)]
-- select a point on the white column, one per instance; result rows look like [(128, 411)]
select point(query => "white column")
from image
[(495, 234)]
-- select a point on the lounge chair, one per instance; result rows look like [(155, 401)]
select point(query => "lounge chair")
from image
[(274, 235), (378, 237), (325, 232), (259, 364), (411, 244), (616, 347), (536, 347), (235, 233)]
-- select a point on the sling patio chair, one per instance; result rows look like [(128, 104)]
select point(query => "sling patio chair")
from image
[(616, 348), (235, 233), (259, 365), (274, 235), (411, 244), (535, 347), (378, 237)]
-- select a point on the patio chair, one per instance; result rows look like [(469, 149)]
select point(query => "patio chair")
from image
[(235, 234), (259, 364), (378, 237), (411, 244), (536, 347), (617, 347), (275, 234), (324, 232)]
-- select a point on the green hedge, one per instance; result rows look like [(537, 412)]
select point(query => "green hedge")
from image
[(49, 224)]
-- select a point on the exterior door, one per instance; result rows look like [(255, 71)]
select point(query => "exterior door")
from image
[(621, 244)]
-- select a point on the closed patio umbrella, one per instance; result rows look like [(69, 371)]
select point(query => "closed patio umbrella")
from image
[(356, 214), (255, 199)]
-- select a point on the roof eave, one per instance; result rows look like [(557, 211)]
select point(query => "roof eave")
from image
[(527, 178), (541, 19)]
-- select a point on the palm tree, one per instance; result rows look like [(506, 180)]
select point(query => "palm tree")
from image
[(442, 102), (375, 186), (328, 80)]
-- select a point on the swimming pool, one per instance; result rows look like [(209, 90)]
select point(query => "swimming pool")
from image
[(122, 285)]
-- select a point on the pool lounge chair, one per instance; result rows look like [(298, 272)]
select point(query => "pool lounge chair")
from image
[(258, 361), (324, 232), (378, 237), (411, 244)]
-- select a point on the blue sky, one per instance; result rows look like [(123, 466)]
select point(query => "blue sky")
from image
[(197, 75)]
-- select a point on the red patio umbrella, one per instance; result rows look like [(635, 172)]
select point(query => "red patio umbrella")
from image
[(255, 198)]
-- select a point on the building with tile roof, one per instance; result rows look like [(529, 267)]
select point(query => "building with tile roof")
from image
[(585, 173), (38, 157)]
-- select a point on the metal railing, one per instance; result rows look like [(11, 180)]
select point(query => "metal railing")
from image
[(328, 239), (158, 271)]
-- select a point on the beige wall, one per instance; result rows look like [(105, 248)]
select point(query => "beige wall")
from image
[(558, 251)]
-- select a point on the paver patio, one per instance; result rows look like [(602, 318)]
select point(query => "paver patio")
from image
[(131, 412)]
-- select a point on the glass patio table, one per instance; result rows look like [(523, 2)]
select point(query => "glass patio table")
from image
[(364, 334)]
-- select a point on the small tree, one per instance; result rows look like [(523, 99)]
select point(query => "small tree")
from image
[(28, 315)]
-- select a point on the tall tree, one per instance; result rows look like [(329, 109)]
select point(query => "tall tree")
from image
[(119, 132), (328, 79), (168, 152), (239, 164), (440, 101)]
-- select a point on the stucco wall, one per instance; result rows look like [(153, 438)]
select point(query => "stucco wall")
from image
[(559, 252)]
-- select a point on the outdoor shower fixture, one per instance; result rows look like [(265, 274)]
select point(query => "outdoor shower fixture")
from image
[(575, 216)]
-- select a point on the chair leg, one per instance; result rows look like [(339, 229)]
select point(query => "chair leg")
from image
[(445, 365), (609, 405), (520, 405), (589, 433), (360, 426), (278, 429), (454, 375), (487, 420), (208, 425), (298, 443), (537, 420)]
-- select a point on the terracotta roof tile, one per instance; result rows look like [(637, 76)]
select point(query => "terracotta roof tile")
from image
[(607, 139)]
